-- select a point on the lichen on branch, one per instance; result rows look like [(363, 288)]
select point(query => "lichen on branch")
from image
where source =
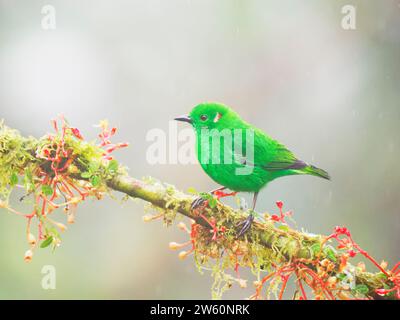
[(278, 251), (60, 170), (46, 170)]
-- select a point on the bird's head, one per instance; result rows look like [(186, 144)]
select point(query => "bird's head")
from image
[(210, 115)]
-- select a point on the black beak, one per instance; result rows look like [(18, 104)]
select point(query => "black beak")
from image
[(184, 119)]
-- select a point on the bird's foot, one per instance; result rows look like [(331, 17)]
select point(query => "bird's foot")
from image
[(245, 224), (203, 201), (198, 202)]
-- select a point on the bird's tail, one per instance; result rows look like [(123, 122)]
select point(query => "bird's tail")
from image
[(314, 171)]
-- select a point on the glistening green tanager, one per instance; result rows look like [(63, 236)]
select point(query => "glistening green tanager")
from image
[(245, 158)]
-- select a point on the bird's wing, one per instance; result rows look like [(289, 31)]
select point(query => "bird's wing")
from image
[(268, 154), (271, 155), (283, 159)]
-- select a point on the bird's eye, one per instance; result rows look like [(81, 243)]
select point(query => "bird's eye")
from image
[(203, 117)]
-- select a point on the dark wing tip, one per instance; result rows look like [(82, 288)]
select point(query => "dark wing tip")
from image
[(319, 172)]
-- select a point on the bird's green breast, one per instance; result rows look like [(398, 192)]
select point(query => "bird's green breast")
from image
[(225, 162)]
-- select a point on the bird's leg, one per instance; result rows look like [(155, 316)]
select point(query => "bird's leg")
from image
[(200, 200), (218, 194), (246, 224)]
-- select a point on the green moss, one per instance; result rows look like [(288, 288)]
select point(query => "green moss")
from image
[(26, 163), (16, 159), (19, 157)]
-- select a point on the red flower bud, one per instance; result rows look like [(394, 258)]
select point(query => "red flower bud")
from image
[(352, 253), (76, 133), (342, 230), (279, 204), (274, 217), (382, 292)]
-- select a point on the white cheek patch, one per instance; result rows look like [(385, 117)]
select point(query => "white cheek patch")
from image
[(217, 117)]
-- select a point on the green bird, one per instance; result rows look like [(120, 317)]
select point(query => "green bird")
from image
[(239, 156)]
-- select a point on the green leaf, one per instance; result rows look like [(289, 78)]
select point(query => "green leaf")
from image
[(191, 190), (28, 175), (95, 181), (94, 166), (86, 175), (341, 276), (113, 166), (205, 195), (47, 190), (28, 180), (283, 227), (13, 179), (316, 248), (330, 253), (212, 202), (362, 289), (46, 242), (54, 232), (381, 275)]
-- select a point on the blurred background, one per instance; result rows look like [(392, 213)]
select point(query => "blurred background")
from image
[(331, 95)]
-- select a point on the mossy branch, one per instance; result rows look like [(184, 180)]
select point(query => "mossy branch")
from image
[(290, 243), (60, 170)]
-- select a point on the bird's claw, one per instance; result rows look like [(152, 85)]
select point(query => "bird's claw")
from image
[(198, 202), (216, 194), (245, 224)]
